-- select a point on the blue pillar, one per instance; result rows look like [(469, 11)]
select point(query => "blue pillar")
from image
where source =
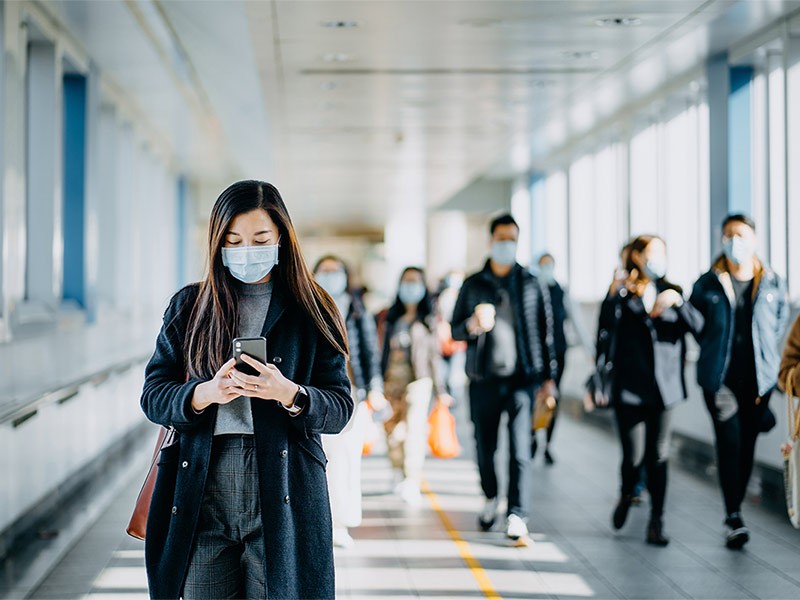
[(718, 75), (74, 184), (740, 141)]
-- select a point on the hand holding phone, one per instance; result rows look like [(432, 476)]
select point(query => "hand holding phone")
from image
[(255, 347)]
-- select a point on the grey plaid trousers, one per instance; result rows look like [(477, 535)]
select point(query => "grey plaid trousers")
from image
[(228, 558)]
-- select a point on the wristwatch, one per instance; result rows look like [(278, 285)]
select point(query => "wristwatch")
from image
[(299, 402)]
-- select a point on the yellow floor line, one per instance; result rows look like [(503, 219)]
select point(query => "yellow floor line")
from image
[(473, 563)]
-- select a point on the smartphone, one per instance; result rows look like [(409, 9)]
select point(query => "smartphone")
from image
[(255, 347)]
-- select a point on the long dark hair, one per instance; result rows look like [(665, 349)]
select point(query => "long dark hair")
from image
[(212, 324), (424, 308)]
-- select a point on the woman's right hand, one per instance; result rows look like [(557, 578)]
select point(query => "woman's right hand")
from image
[(216, 391)]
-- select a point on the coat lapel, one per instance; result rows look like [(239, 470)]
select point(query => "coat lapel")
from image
[(277, 306)]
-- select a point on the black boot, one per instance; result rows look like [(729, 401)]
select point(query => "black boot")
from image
[(621, 511), (655, 532)]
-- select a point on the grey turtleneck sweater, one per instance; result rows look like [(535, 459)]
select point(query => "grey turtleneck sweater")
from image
[(254, 298)]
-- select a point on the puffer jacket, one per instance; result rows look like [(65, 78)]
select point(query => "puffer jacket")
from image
[(532, 309), (362, 336)]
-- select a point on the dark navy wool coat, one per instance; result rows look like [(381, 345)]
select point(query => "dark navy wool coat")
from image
[(291, 463)]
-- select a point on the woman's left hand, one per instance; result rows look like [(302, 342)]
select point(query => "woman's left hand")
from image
[(665, 300), (269, 384)]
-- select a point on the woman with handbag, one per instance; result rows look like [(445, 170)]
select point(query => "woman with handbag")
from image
[(344, 449), (412, 372), (240, 506), (646, 321)]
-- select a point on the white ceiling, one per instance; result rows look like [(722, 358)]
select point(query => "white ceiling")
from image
[(425, 95)]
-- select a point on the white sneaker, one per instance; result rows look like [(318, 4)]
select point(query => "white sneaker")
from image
[(342, 538), (488, 514), (515, 527)]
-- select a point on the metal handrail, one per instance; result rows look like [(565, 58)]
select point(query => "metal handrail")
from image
[(24, 409)]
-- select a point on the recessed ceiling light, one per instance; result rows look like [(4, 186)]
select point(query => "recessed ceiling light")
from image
[(338, 57), (580, 55), (328, 85), (340, 24), (618, 22)]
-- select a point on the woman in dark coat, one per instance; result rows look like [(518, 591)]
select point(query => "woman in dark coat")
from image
[(642, 328), (240, 507)]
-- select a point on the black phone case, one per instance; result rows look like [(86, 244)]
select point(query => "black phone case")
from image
[(255, 347)]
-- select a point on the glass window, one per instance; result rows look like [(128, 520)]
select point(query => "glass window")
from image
[(760, 161), (2, 162), (644, 181), (556, 230), (582, 229), (43, 216), (680, 196), (609, 228), (776, 230), (793, 158)]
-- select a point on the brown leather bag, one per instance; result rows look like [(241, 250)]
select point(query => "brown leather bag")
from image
[(138, 523)]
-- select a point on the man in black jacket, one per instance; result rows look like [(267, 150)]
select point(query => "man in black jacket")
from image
[(505, 316), (744, 303)]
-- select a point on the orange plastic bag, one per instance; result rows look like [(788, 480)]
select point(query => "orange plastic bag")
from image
[(442, 438)]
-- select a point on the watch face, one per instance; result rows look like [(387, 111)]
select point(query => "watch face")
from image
[(300, 398)]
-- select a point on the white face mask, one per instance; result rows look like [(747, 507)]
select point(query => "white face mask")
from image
[(411, 292), (738, 249), (504, 253), (656, 268), (547, 273), (250, 264), (333, 282)]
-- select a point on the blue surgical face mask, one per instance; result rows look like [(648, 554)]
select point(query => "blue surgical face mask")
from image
[(454, 281), (738, 250), (333, 282), (250, 264), (547, 273), (655, 268), (411, 292), (504, 253)]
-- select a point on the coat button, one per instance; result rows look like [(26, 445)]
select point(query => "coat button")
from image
[(284, 453), (185, 464), (277, 360), (286, 499), (174, 510)]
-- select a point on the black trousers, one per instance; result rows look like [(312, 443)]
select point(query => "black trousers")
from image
[(736, 423), (644, 432), (488, 400)]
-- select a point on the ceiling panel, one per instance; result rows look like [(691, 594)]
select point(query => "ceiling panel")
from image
[(412, 104)]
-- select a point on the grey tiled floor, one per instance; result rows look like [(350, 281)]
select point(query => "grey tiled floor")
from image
[(405, 552)]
